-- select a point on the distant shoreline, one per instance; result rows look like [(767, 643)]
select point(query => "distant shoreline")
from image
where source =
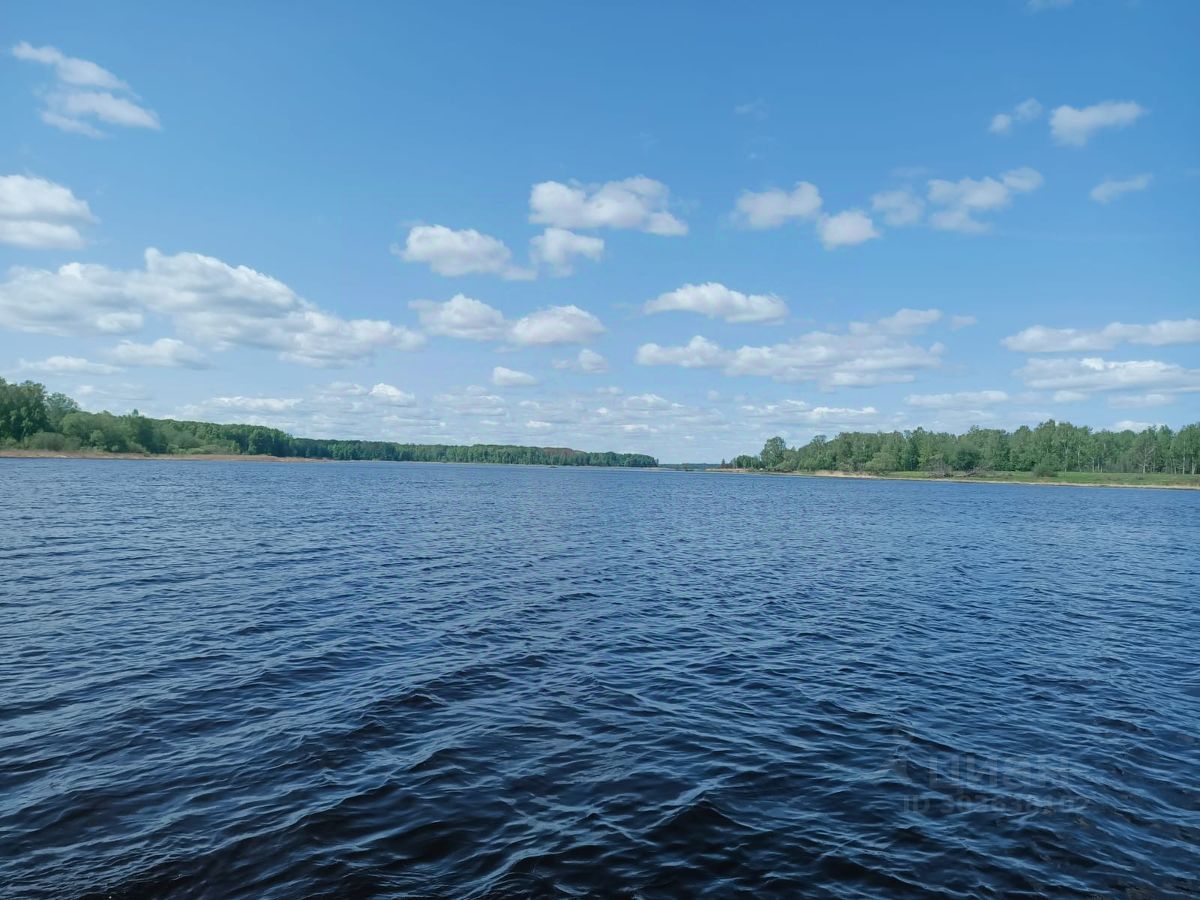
[(17, 453), (186, 457), (1049, 481)]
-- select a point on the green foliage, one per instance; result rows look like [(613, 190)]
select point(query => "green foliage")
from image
[(1044, 469), (1050, 448), (23, 410), (31, 418)]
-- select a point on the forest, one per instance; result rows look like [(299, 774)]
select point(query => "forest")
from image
[(1045, 450), (33, 419)]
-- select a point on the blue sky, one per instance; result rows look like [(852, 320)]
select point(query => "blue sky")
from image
[(670, 228)]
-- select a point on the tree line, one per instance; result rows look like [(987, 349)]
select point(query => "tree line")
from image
[(31, 418), (1046, 449)]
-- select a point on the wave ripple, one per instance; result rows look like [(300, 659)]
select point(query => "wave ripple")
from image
[(232, 680)]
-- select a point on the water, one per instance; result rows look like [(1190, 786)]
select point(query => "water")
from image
[(229, 679)]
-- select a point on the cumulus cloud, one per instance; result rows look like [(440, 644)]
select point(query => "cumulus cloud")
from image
[(1111, 188), (1096, 374), (868, 354), (37, 213), (638, 203), (1025, 111), (67, 365), (391, 395), (464, 317), (774, 207), (899, 207), (957, 322), (959, 202), (698, 353), (558, 249), (461, 317), (207, 300), (846, 229), (717, 301), (85, 93), (587, 361), (556, 325), (1040, 339), (502, 377), (463, 252), (163, 353), (1075, 127)]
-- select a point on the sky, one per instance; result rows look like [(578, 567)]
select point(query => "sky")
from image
[(669, 228)]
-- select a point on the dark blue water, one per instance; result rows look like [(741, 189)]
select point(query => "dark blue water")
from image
[(238, 680)]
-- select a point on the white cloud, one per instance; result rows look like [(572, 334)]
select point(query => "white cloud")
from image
[(463, 317), (799, 412), (1095, 374), (846, 229), (391, 395), (559, 248), (588, 361), (717, 301), (163, 353), (84, 93), (1025, 111), (207, 300), (698, 353), (961, 201), (38, 213), (1110, 189), (502, 377), (1001, 123), (592, 362), (464, 252), (556, 325), (774, 207), (1040, 339), (868, 354), (957, 322), (1075, 127), (538, 425), (637, 203), (957, 400), (1028, 110), (254, 404), (903, 321), (899, 207), (67, 365)]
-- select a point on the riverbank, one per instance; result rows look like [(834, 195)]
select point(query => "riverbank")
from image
[(99, 454), (1064, 479)]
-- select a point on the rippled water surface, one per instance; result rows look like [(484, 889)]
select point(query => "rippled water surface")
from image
[(227, 679)]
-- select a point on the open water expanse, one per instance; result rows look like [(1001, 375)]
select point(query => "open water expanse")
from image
[(293, 680)]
